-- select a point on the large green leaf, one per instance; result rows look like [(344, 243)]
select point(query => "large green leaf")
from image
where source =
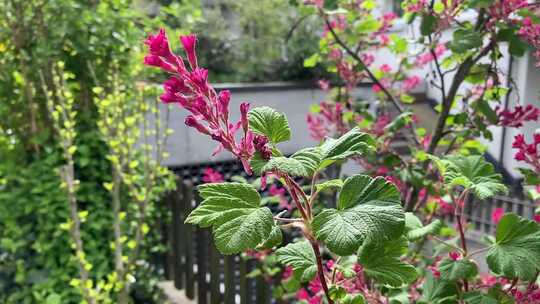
[(269, 122), (329, 184), (300, 257), (234, 212), (415, 230), (495, 295), (307, 161), (302, 163), (516, 252), (354, 142), (438, 291), (381, 261), (368, 208), (455, 270), (428, 25), (283, 164), (465, 40), (471, 172), (310, 158), (274, 239)]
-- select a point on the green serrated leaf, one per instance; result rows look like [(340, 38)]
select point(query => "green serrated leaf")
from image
[(269, 122), (415, 230), (333, 183), (222, 201), (381, 261), (495, 295), (368, 208), (354, 299), (310, 158), (471, 172), (465, 40), (428, 25), (456, 270), (399, 122), (300, 257), (287, 165), (349, 144), (274, 239), (234, 212), (438, 291), (243, 232), (516, 252)]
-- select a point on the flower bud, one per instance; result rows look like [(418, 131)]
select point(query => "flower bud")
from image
[(244, 109), (223, 104), (189, 42), (191, 121)]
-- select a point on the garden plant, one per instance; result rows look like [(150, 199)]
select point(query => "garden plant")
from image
[(382, 236)]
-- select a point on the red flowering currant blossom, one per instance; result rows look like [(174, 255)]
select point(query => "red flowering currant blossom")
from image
[(528, 153), (209, 110), (530, 32), (515, 118)]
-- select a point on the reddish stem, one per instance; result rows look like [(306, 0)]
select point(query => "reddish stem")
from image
[(320, 269)]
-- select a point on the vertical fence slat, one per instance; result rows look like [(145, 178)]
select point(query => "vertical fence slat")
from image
[(168, 232), (229, 279), (244, 287), (189, 242), (262, 290), (215, 273), (202, 258), (178, 235)]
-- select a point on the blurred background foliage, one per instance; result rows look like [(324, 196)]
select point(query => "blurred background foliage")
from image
[(239, 40)]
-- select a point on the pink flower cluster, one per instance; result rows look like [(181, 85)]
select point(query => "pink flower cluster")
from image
[(212, 176), (279, 192), (503, 10), (329, 118), (189, 88), (518, 116), (528, 153), (497, 215), (530, 32), (313, 294), (411, 83), (427, 57)]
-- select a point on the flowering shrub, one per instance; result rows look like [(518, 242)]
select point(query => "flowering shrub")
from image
[(367, 246)]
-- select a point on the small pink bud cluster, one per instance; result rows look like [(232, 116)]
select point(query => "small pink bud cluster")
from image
[(518, 116), (313, 293), (411, 83), (528, 153), (209, 110), (212, 176), (427, 57)]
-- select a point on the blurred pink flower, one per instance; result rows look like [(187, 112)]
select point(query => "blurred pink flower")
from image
[(411, 82), (212, 176), (497, 214)]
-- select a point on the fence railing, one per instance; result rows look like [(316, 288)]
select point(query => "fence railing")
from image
[(195, 265)]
